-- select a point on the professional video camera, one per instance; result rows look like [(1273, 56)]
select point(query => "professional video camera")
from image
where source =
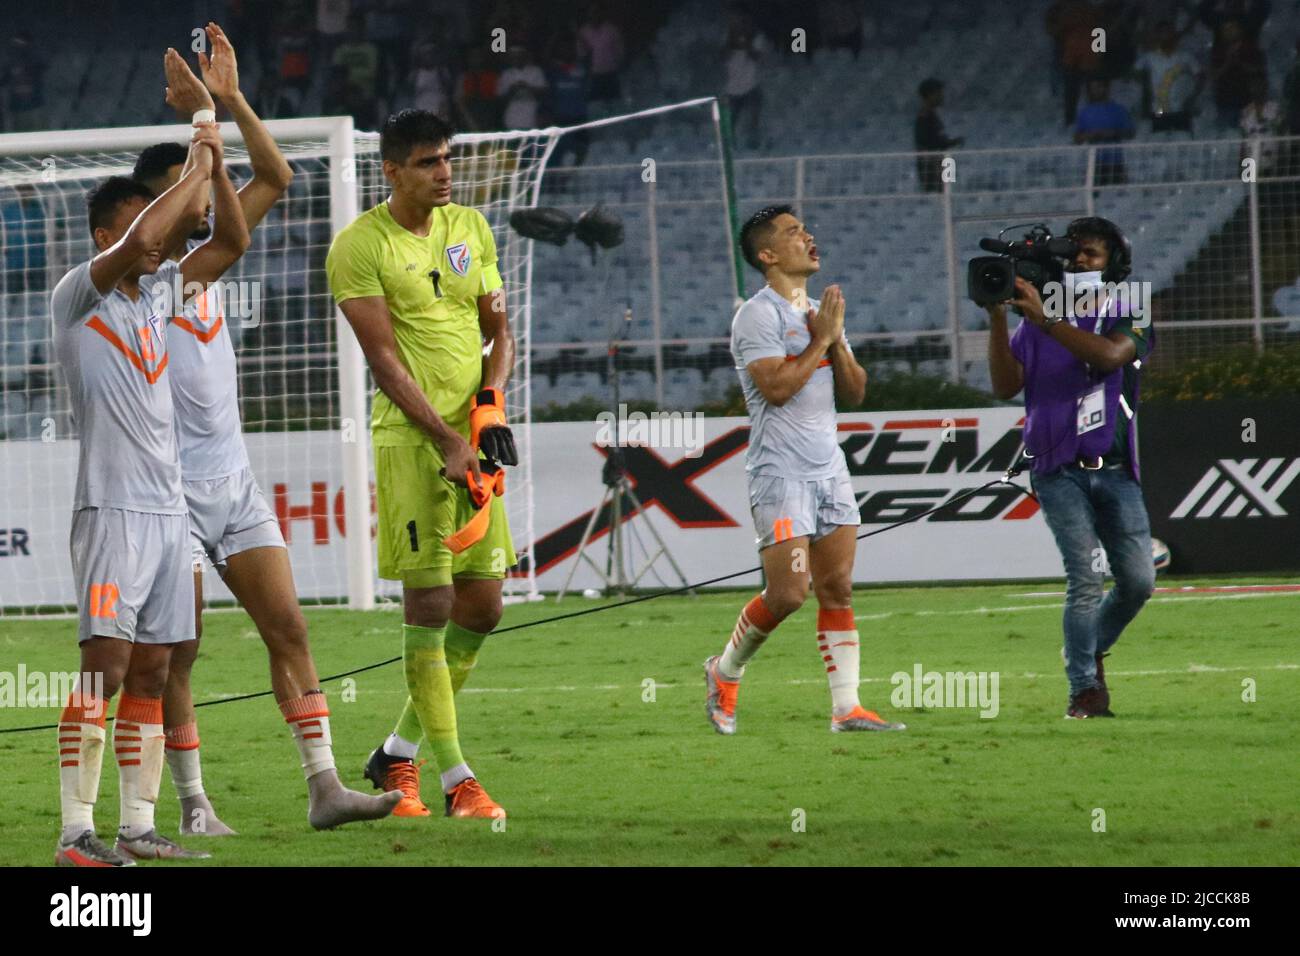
[(1038, 258)]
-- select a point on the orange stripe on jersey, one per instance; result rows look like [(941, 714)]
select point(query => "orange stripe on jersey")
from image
[(203, 336), (822, 364), (98, 325)]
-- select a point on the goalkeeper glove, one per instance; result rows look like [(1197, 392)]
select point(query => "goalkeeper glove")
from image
[(480, 494), (489, 432)]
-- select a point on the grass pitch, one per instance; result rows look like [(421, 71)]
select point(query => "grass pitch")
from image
[(592, 734)]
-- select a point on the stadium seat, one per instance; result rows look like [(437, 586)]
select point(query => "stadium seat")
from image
[(683, 388)]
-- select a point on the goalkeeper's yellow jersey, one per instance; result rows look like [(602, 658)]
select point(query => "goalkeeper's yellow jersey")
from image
[(431, 284)]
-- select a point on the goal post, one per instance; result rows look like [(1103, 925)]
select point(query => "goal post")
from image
[(305, 387)]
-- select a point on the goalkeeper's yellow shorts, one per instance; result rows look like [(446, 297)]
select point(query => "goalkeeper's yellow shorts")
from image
[(418, 508)]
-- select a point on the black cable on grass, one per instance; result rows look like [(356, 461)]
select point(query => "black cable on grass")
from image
[(1006, 479)]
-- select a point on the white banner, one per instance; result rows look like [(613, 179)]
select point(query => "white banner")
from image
[(902, 463), (693, 491)]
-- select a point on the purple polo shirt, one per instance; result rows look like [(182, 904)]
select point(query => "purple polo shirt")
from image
[(1055, 381)]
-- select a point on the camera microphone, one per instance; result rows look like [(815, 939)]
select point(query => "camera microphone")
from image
[(996, 246)]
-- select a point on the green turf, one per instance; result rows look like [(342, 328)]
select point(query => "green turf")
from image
[(556, 724)]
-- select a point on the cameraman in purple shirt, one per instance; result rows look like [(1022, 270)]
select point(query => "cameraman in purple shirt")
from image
[(1080, 377)]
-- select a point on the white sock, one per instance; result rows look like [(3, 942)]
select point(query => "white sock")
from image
[(183, 759), (456, 775), (396, 746), (308, 717), (837, 640), (81, 756), (138, 741), (753, 626)]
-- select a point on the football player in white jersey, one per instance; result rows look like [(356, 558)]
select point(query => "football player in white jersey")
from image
[(231, 524), (794, 363), (129, 525)]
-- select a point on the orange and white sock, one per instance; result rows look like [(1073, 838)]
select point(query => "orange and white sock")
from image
[(81, 756), (308, 717), (183, 759), (837, 640), (753, 626), (138, 742)]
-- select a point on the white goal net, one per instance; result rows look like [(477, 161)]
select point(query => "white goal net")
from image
[(304, 388)]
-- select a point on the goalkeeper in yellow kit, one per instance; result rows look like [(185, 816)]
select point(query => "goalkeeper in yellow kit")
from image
[(417, 278)]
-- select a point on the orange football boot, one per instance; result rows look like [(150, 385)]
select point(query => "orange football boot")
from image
[(397, 773), (469, 799)]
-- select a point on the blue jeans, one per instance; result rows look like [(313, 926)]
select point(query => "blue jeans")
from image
[(1088, 510)]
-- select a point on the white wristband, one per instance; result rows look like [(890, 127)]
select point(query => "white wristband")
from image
[(204, 116)]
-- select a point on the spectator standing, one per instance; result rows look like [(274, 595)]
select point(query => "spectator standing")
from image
[(567, 79), (1171, 81), (293, 52), (520, 88), (1250, 14), (431, 80), (343, 98), (476, 93), (743, 57), (600, 43), (387, 24), (331, 26), (930, 137), (359, 56), (1102, 120), (1236, 62), (1071, 23)]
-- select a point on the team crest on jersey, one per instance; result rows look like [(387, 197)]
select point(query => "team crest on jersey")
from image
[(458, 256)]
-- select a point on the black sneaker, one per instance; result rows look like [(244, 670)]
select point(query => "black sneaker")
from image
[(377, 766), (1087, 703), (1101, 683)]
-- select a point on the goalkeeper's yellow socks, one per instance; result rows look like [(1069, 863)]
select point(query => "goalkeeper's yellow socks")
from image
[(462, 653), (81, 755), (428, 681), (837, 640), (461, 646), (753, 626), (404, 741)]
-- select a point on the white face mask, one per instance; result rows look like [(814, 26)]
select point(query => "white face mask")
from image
[(1076, 283)]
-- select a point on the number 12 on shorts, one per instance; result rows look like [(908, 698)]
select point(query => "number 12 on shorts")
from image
[(103, 600)]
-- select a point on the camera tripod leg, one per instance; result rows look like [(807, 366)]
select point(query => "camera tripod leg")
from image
[(581, 552), (663, 548)]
